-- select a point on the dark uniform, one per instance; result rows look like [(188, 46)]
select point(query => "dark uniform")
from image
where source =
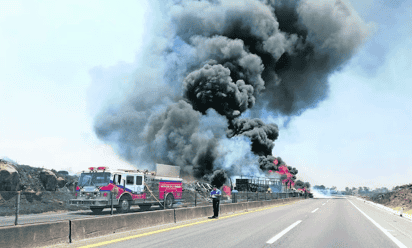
[(216, 194)]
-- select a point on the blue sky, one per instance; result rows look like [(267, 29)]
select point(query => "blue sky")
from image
[(52, 52)]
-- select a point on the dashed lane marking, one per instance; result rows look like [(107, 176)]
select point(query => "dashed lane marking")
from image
[(279, 235), (315, 210)]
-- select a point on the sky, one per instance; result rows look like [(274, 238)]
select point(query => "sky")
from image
[(52, 55)]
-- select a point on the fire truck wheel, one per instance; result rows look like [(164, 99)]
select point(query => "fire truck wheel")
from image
[(168, 203), (124, 205), (96, 210)]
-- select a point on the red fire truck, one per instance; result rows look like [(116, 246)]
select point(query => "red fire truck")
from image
[(99, 186)]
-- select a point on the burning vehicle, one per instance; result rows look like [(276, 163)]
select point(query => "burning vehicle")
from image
[(100, 188), (258, 184)]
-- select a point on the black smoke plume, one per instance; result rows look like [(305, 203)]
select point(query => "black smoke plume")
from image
[(218, 178), (262, 135), (266, 163), (228, 57), (300, 43), (299, 184)]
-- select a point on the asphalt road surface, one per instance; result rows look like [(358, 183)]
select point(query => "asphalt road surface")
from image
[(335, 222)]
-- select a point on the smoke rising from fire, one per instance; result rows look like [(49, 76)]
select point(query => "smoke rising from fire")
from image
[(215, 60)]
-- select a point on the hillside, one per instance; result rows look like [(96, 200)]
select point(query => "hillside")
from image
[(42, 190), (400, 197)]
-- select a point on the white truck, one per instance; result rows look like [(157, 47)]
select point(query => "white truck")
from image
[(99, 188)]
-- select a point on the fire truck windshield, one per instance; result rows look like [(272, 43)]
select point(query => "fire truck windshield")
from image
[(94, 179)]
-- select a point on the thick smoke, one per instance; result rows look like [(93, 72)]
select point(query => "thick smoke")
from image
[(266, 163), (218, 178), (214, 61), (212, 87), (300, 42), (262, 135), (299, 184)]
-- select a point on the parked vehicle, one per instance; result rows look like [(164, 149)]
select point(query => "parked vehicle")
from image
[(100, 188)]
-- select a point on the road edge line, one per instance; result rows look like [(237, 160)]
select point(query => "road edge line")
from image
[(395, 240)]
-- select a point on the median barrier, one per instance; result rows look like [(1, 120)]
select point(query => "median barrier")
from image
[(99, 226), (255, 204), (238, 207), (227, 208), (202, 211), (181, 214), (251, 205), (34, 235), (265, 204)]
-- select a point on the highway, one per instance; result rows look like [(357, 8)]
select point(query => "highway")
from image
[(334, 222)]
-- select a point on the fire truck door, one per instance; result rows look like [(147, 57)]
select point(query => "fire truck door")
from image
[(130, 183), (139, 184)]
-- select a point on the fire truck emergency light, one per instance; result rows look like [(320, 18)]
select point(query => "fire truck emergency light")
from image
[(101, 168), (91, 168)]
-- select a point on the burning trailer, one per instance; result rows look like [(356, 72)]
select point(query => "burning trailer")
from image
[(260, 184)]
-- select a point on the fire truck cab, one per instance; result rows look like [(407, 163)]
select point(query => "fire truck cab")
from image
[(100, 188)]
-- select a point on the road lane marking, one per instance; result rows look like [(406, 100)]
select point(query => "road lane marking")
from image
[(395, 240), (315, 210), (279, 235), (177, 227), (323, 204)]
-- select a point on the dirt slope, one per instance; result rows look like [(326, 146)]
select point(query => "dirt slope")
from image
[(401, 197)]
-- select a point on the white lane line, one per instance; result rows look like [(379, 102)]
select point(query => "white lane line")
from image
[(395, 240), (315, 210), (323, 204), (279, 235)]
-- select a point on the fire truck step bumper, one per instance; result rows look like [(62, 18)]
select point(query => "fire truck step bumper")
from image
[(89, 203)]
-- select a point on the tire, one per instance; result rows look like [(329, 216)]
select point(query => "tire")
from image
[(124, 205), (96, 210), (145, 207), (168, 202)]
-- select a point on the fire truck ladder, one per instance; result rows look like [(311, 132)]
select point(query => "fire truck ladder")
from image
[(153, 195)]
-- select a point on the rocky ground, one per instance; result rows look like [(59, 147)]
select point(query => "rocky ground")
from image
[(401, 197), (42, 190)]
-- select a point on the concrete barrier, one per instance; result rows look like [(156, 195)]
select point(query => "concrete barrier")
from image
[(227, 208), (202, 211), (255, 204), (241, 206), (35, 235), (238, 206), (88, 228), (181, 214)]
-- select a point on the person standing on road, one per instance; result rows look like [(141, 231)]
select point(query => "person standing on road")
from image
[(215, 194)]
